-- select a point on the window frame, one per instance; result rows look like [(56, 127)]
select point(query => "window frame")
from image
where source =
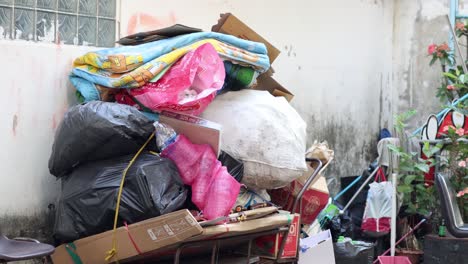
[(57, 13)]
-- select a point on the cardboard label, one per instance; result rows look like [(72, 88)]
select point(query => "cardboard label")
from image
[(290, 248), (160, 232), (269, 246)]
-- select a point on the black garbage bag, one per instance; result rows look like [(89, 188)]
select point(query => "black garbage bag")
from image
[(87, 203), (356, 252), (340, 225), (97, 130), (234, 166)]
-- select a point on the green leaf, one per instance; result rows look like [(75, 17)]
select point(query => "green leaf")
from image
[(422, 167), (462, 78), (411, 208), (404, 189), (450, 75), (423, 211), (407, 168), (409, 179), (426, 149), (421, 187), (434, 59)]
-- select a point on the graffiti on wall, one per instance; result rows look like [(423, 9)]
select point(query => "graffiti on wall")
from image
[(141, 22)]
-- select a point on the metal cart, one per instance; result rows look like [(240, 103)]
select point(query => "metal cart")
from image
[(248, 238)]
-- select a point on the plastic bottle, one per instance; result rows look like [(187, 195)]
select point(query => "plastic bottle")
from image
[(442, 229)]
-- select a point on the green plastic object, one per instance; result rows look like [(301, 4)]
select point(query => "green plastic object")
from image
[(327, 214), (442, 229)]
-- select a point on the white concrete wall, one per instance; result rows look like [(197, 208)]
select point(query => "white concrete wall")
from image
[(336, 59), (35, 94), (417, 24)]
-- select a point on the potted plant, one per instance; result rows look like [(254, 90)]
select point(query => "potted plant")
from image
[(418, 197)]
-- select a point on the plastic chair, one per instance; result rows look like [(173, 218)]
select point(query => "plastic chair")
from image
[(23, 249), (450, 210)]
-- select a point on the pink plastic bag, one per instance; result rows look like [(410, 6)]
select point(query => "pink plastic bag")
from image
[(188, 86), (214, 190)]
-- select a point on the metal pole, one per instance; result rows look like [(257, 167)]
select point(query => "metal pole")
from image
[(359, 190), (454, 35), (394, 215), (453, 14)]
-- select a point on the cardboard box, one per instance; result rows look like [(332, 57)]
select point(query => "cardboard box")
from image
[(270, 222), (265, 82), (246, 227), (198, 130), (147, 236), (317, 249), (269, 246), (314, 199), (229, 24)]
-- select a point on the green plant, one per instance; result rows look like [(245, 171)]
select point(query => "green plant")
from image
[(454, 85), (419, 196), (456, 165), (461, 28)]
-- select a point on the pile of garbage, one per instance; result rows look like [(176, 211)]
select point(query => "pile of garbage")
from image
[(182, 134), (175, 119)]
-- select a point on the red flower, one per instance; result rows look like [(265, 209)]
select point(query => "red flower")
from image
[(443, 47), (431, 49), (462, 192), (450, 87), (460, 131), (460, 26), (462, 163), (440, 54), (447, 128)]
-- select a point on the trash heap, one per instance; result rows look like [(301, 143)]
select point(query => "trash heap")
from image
[(174, 119)]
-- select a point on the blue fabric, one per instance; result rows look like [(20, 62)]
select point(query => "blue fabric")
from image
[(99, 67), (87, 89)]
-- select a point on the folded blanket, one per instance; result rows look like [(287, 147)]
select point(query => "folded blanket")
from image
[(133, 66)]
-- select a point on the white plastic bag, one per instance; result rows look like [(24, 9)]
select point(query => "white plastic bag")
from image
[(378, 210), (263, 131)]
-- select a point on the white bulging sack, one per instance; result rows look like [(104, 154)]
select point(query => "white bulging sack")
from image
[(263, 131)]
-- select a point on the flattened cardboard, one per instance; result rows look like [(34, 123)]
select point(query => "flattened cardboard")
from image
[(229, 24), (247, 227), (266, 223), (198, 130), (265, 82), (148, 235), (320, 249)]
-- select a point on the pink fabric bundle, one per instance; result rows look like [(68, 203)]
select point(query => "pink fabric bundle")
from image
[(214, 190), (188, 86)]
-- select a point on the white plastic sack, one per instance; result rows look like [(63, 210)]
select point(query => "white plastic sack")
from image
[(263, 131), (378, 211)]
